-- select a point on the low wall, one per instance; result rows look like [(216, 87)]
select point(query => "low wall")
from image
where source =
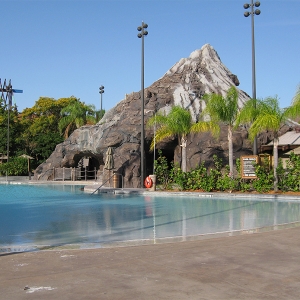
[(14, 178)]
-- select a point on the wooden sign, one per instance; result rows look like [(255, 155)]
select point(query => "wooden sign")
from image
[(248, 166)]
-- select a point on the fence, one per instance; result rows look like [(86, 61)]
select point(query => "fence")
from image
[(74, 174)]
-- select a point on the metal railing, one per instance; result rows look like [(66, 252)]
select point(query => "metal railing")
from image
[(74, 174), (98, 188)]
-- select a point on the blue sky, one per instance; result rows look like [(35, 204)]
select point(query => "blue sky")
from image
[(59, 48)]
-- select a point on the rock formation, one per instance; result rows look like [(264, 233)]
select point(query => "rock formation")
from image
[(120, 128)]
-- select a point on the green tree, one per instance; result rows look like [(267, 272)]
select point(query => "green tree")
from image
[(75, 115), (40, 133), (178, 123), (16, 166), (296, 99), (98, 115), (14, 129), (270, 117), (221, 110)]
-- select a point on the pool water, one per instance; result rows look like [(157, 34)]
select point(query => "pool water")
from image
[(38, 216)]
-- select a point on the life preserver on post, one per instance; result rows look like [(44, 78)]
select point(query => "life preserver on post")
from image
[(148, 182)]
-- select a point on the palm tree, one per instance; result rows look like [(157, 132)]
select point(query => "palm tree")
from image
[(75, 115), (221, 110), (98, 114), (177, 123), (269, 116), (296, 102)]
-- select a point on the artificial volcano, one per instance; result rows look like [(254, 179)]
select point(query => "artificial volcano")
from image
[(120, 128)]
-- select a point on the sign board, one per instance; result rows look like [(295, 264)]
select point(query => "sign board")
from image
[(85, 162), (17, 91), (248, 166)]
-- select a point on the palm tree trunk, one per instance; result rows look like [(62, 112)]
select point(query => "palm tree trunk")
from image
[(230, 150), (275, 154), (183, 154)]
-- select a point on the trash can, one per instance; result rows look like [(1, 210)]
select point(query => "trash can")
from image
[(116, 181), (153, 178)]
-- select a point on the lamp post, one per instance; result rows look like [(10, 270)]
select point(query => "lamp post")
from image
[(101, 91), (247, 14), (154, 146), (142, 32), (154, 141), (9, 104), (8, 101)]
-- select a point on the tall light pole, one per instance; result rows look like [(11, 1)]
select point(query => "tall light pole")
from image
[(142, 32), (9, 104), (8, 101), (247, 14), (154, 131), (101, 91), (154, 141)]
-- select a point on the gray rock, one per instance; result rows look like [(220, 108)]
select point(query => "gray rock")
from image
[(120, 128)]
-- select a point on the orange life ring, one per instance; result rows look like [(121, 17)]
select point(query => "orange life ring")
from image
[(148, 182)]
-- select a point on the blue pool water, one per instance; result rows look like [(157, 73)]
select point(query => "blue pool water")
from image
[(32, 217)]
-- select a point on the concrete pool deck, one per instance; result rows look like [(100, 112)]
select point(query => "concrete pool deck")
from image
[(254, 266)]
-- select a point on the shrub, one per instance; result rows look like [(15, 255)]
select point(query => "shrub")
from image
[(16, 166), (288, 179), (217, 179), (162, 170), (179, 177), (225, 182), (264, 181)]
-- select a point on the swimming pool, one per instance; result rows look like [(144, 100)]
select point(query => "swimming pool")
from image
[(50, 216)]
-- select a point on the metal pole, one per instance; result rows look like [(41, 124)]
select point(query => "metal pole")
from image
[(142, 115), (101, 91), (253, 70), (8, 97), (154, 146), (8, 108), (141, 35), (101, 103)]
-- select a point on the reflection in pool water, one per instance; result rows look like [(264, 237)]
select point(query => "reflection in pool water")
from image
[(36, 216)]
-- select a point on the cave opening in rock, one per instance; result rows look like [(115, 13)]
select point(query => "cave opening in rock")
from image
[(89, 163), (167, 152)]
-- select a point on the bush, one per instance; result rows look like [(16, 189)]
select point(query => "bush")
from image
[(264, 181), (225, 182), (162, 170), (16, 166), (221, 180), (179, 177), (288, 179)]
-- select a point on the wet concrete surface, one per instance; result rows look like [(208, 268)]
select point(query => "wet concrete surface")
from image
[(253, 266)]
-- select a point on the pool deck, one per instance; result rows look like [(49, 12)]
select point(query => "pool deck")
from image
[(255, 266), (252, 266)]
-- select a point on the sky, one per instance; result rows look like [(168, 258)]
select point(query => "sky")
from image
[(63, 48)]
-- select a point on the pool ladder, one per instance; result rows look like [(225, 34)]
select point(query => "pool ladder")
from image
[(113, 175)]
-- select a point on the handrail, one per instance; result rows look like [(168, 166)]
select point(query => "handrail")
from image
[(106, 181), (73, 174)]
